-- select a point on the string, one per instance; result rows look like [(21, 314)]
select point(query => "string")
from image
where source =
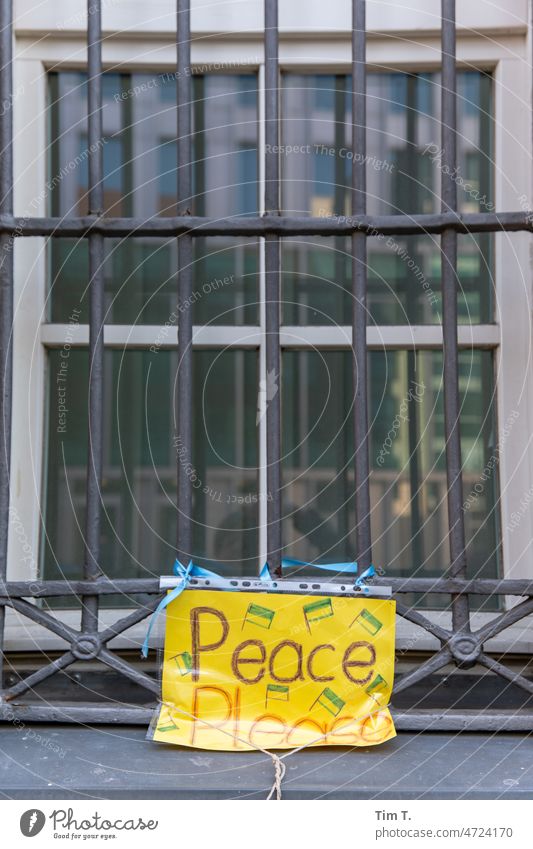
[(277, 760)]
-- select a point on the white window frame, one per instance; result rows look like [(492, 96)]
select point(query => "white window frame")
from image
[(505, 55)]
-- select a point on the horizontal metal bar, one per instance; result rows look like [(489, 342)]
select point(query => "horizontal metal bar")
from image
[(280, 586), (200, 227), (457, 586), (463, 720), (133, 586), (45, 589), (334, 337), (412, 720), (77, 713)]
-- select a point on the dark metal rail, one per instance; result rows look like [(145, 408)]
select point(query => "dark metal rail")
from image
[(272, 289), (363, 547), (93, 521), (389, 225), (6, 291), (459, 645), (185, 283)]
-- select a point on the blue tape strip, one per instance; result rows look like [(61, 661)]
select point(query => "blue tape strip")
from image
[(368, 573), (192, 571), (344, 568), (264, 574)]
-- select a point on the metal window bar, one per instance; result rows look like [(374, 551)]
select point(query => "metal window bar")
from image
[(272, 288), (185, 283), (459, 645)]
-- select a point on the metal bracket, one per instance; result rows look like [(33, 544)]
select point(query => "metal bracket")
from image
[(329, 588)]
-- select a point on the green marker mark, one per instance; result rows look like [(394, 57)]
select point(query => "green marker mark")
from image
[(378, 685), (172, 726), (368, 622), (257, 615), (317, 610), (277, 692), (183, 662), (330, 701)]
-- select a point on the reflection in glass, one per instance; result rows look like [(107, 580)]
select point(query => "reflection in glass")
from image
[(407, 455), (404, 169), (140, 168), (141, 450)]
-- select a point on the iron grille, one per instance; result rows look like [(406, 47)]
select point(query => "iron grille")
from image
[(459, 645)]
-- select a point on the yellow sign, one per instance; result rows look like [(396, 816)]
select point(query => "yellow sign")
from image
[(276, 671)]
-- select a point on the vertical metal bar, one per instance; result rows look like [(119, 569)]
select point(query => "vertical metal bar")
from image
[(184, 380), (89, 618), (345, 376), (359, 288), (263, 482), (272, 290), (460, 604), (6, 289), (414, 464), (412, 243)]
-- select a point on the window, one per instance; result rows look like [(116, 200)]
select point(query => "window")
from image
[(408, 489)]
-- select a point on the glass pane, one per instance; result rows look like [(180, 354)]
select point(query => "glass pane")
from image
[(407, 454), (404, 165), (141, 283), (140, 168), (140, 460)]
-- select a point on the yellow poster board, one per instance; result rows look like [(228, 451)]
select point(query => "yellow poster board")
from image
[(276, 671)]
